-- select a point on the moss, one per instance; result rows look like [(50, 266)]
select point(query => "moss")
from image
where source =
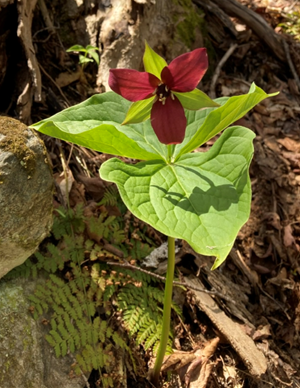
[(25, 242), (187, 22), (12, 306), (16, 135)]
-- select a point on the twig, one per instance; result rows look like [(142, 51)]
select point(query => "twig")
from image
[(212, 91), (163, 279), (275, 301), (290, 62), (48, 22), (55, 83), (45, 15)]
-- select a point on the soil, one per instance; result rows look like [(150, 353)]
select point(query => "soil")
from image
[(256, 293)]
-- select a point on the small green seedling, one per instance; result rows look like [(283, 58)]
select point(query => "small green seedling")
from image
[(89, 54)]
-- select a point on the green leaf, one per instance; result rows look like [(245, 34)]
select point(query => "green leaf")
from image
[(203, 198), (195, 100), (77, 47), (218, 119), (94, 55), (89, 47), (153, 62), (96, 124), (139, 111), (83, 59), (195, 120)]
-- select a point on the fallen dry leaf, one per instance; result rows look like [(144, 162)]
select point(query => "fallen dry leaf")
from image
[(230, 376), (95, 187), (77, 194), (66, 78), (262, 333), (192, 367), (288, 238), (290, 144), (65, 182)]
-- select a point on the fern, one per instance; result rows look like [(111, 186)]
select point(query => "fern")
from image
[(141, 307), (139, 250), (70, 220), (81, 295), (110, 197), (25, 270), (74, 323)]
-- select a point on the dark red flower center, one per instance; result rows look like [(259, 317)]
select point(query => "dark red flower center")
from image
[(163, 92)]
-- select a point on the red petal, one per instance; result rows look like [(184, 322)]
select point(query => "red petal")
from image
[(132, 84), (185, 72), (168, 121)]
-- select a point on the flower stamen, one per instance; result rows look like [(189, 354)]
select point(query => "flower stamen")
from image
[(172, 96), (163, 92)]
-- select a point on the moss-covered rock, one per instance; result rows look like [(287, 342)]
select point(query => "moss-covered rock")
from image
[(26, 187), (26, 359)]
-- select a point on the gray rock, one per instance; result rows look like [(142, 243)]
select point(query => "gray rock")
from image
[(26, 192), (26, 359)]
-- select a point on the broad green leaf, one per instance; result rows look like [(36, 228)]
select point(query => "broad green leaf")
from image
[(153, 62), (203, 198), (96, 124), (77, 47), (218, 119), (195, 100), (139, 111)]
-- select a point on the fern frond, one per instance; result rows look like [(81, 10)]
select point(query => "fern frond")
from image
[(110, 197)]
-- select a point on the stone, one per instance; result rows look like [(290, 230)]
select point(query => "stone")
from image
[(26, 359), (26, 193)]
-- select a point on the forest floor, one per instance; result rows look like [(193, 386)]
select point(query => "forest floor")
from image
[(256, 293)]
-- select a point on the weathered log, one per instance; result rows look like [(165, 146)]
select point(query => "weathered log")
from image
[(252, 20)]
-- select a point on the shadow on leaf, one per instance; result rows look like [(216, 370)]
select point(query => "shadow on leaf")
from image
[(200, 201)]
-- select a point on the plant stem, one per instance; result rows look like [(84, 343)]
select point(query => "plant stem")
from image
[(170, 152), (167, 311)]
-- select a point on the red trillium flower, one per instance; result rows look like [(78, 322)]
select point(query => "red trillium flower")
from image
[(163, 92)]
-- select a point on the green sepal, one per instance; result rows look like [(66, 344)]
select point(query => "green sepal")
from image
[(195, 100), (203, 198), (139, 111), (153, 62)]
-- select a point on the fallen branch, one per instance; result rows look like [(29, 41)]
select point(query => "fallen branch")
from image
[(290, 62), (252, 20), (212, 90), (163, 279)]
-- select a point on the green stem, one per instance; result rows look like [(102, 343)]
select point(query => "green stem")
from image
[(170, 152), (167, 311)]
